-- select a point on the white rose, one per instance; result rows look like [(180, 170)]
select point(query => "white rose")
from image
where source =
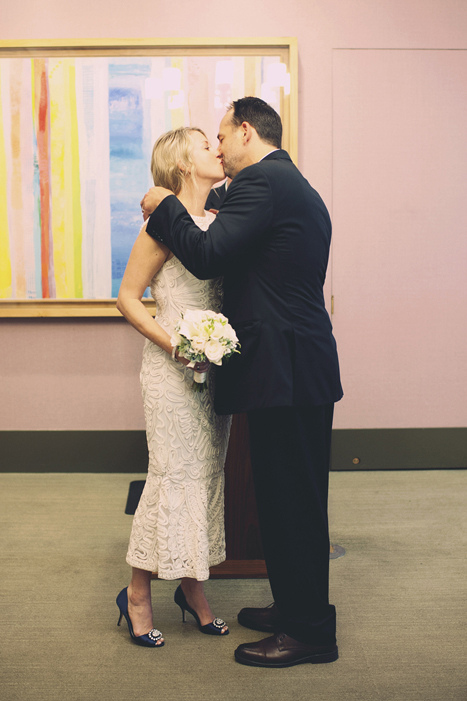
[(204, 330), (198, 343), (230, 334), (187, 328), (195, 316), (218, 331), (214, 352)]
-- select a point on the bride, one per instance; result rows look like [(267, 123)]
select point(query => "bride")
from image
[(178, 527)]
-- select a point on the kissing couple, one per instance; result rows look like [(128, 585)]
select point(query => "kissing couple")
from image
[(262, 260)]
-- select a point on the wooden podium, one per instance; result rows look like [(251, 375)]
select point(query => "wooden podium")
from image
[(243, 541)]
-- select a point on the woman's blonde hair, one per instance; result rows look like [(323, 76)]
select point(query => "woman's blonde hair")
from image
[(171, 158)]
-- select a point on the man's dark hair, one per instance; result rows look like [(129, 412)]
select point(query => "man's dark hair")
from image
[(261, 116)]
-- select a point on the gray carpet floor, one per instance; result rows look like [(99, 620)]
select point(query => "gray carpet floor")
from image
[(400, 592)]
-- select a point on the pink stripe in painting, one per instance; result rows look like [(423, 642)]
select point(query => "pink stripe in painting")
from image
[(42, 127)]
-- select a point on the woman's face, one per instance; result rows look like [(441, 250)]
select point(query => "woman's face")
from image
[(207, 165)]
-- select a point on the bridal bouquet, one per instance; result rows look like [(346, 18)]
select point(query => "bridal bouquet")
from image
[(204, 335)]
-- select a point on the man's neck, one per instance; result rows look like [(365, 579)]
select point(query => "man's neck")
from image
[(271, 151), (262, 150), (256, 154)]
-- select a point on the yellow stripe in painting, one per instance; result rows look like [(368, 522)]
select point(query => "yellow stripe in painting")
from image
[(76, 187), (69, 237), (5, 264), (62, 216), (251, 77), (177, 115)]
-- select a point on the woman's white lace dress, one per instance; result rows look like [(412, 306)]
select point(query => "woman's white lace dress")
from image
[(178, 527)]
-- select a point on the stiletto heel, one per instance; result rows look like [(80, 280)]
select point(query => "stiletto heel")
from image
[(214, 628), (150, 639)]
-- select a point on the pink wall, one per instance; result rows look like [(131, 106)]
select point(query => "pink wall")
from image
[(399, 242), (70, 374)]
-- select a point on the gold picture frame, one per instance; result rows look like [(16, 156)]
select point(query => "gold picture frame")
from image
[(61, 65)]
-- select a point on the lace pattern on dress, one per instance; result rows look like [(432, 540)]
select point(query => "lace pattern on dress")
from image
[(178, 527)]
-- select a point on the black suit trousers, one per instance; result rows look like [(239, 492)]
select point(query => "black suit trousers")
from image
[(290, 454)]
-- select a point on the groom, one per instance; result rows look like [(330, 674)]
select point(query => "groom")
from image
[(270, 242)]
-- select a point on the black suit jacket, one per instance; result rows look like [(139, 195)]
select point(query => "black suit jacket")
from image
[(270, 242)]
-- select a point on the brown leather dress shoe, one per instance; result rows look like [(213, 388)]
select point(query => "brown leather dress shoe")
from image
[(266, 619), (281, 650)]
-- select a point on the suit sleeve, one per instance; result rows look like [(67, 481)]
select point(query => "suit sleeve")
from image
[(240, 226)]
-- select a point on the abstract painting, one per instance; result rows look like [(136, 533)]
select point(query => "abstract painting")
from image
[(76, 135)]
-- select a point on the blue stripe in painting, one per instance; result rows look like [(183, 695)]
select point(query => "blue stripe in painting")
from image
[(129, 159), (37, 221)]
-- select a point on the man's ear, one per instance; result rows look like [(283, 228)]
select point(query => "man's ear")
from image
[(247, 132)]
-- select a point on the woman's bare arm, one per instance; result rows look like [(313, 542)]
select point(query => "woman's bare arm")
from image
[(146, 259)]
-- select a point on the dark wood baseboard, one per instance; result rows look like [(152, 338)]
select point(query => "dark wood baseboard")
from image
[(399, 449), (126, 451), (240, 569), (237, 569)]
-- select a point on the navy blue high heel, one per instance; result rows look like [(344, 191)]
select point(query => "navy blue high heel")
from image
[(150, 639), (214, 628)]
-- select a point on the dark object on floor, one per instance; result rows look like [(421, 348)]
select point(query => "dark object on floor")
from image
[(336, 551), (134, 495)]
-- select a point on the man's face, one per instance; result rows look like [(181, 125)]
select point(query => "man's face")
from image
[(230, 149)]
